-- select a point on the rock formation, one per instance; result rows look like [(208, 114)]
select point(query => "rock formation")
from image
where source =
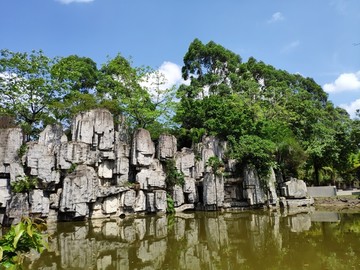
[(104, 171)]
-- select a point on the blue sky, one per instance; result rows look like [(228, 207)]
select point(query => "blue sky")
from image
[(316, 38)]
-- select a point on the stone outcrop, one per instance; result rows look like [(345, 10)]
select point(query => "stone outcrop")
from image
[(294, 189), (253, 188), (104, 171)]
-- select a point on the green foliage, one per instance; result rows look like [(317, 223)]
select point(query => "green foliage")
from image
[(22, 150), (271, 117), (170, 204), (19, 240), (24, 184), (72, 168), (173, 175), (251, 149), (216, 164), (27, 88)]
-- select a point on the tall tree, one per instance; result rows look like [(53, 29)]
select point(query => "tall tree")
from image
[(128, 91), (81, 76), (27, 88)]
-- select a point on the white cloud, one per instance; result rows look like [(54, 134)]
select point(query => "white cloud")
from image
[(345, 82), (276, 17), (351, 108), (289, 47), (74, 1), (170, 73), (165, 77)]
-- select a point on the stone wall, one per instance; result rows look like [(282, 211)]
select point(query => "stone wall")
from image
[(104, 171)]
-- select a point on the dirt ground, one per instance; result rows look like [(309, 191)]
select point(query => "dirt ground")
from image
[(351, 202)]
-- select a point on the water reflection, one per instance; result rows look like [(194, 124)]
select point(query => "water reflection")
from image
[(243, 240)]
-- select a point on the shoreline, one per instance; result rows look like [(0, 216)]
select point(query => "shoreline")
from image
[(338, 203)]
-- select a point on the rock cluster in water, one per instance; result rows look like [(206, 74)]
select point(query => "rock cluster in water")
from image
[(102, 171)]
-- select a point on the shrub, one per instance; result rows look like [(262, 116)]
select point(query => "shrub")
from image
[(19, 240), (24, 184), (173, 176)]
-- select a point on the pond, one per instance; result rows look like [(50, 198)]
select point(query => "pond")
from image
[(207, 240)]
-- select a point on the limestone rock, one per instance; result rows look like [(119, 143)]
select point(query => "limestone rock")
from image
[(129, 198), (178, 196), (209, 147), (11, 140), (122, 154), (105, 169), (213, 190), (54, 199), (76, 153), (18, 207), (271, 188), (252, 190), (167, 146), (51, 136), (185, 161), (95, 127), (38, 202), (160, 200), (150, 202), (152, 177), (140, 202), (143, 149), (4, 191), (80, 188), (110, 204), (190, 189), (41, 160), (294, 189)]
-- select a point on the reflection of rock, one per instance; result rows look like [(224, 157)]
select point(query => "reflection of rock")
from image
[(153, 252), (319, 216), (300, 222)]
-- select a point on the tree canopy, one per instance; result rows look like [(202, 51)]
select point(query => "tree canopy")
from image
[(269, 116)]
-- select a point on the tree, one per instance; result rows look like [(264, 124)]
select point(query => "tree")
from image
[(128, 91), (81, 76), (269, 116), (27, 89), (209, 67)]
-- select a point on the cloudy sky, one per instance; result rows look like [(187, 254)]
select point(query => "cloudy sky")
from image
[(318, 39)]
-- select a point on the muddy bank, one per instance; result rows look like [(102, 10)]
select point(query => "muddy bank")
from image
[(338, 203)]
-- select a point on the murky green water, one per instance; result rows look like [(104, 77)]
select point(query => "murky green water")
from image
[(242, 240)]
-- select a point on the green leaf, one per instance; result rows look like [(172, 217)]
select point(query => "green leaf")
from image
[(17, 237)]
